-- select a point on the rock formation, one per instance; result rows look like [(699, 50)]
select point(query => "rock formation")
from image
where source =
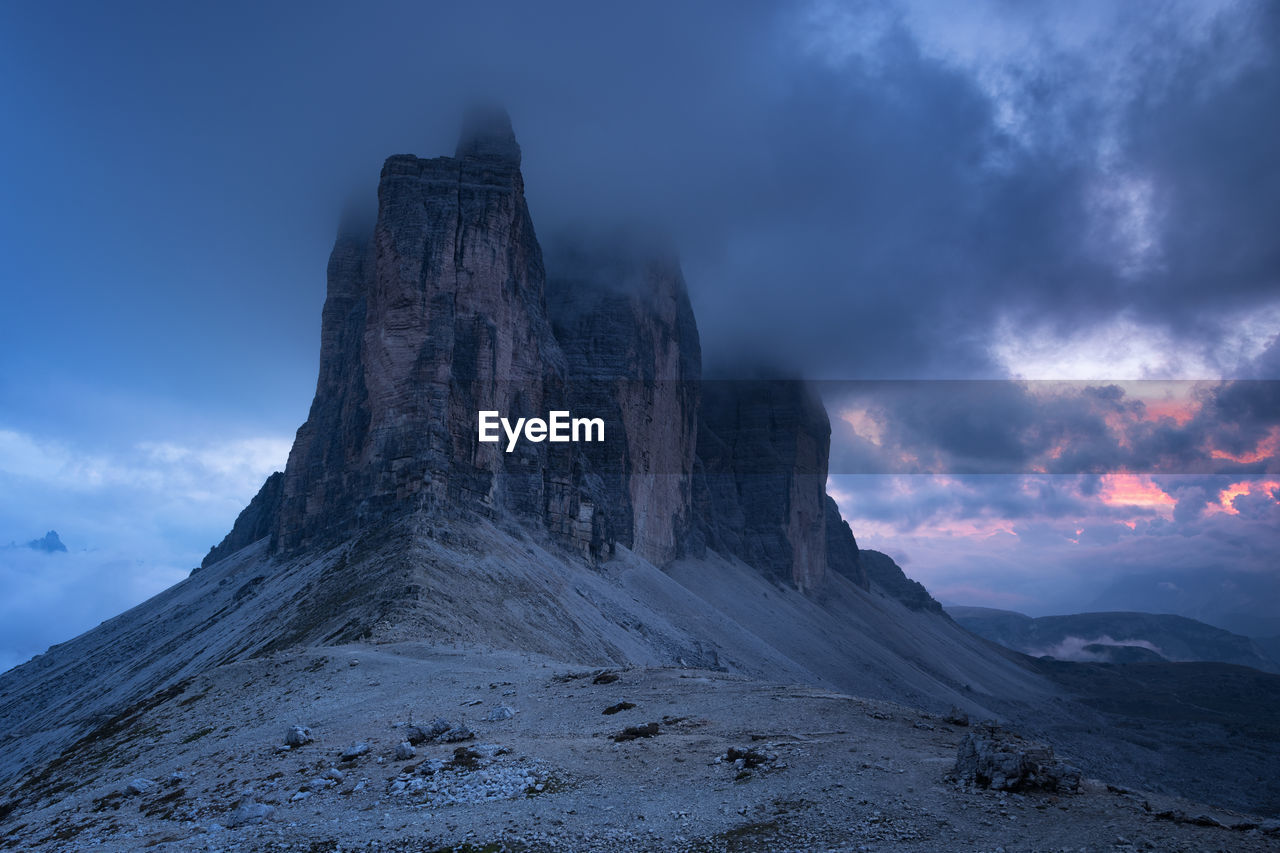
[(992, 757), (843, 556), (697, 535), (49, 543), (441, 314), (885, 574), (446, 310), (761, 490), (255, 521), (631, 346)]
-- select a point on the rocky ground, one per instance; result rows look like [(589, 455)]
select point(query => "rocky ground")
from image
[(411, 747)]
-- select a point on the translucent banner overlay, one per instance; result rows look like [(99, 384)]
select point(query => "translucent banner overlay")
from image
[(937, 427)]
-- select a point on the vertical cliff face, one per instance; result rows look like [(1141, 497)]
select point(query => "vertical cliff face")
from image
[(440, 315), (323, 480), (843, 556), (761, 493), (255, 521), (456, 325), (633, 356)]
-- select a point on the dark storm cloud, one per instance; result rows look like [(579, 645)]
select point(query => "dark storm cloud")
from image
[(1242, 414), (1172, 224), (1179, 476), (873, 218), (889, 222), (1229, 428), (858, 214), (985, 426), (1267, 364), (1212, 151)]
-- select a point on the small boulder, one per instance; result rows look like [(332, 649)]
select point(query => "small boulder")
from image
[(139, 787), (956, 717), (500, 713), (417, 734), (354, 751), (457, 734), (297, 736), (251, 812), (635, 732), (991, 757), (405, 751)]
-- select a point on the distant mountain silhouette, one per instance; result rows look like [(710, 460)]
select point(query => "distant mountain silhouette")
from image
[(1241, 602), (1114, 637), (49, 544)]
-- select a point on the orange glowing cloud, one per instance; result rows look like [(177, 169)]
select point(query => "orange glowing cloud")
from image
[(1134, 490), (1266, 449), (864, 425), (1235, 490), (1179, 411), (1174, 400)]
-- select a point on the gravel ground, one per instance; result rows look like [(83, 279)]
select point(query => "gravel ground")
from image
[(699, 761)]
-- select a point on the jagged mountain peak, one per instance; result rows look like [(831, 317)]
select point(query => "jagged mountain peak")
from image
[(50, 543)]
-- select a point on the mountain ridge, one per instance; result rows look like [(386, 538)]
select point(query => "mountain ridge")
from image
[(1114, 637)]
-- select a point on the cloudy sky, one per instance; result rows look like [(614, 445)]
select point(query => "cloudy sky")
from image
[(909, 191)]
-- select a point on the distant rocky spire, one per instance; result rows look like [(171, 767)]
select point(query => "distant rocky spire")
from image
[(49, 544), (487, 134)]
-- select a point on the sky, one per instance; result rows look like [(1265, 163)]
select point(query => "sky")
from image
[(927, 193)]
